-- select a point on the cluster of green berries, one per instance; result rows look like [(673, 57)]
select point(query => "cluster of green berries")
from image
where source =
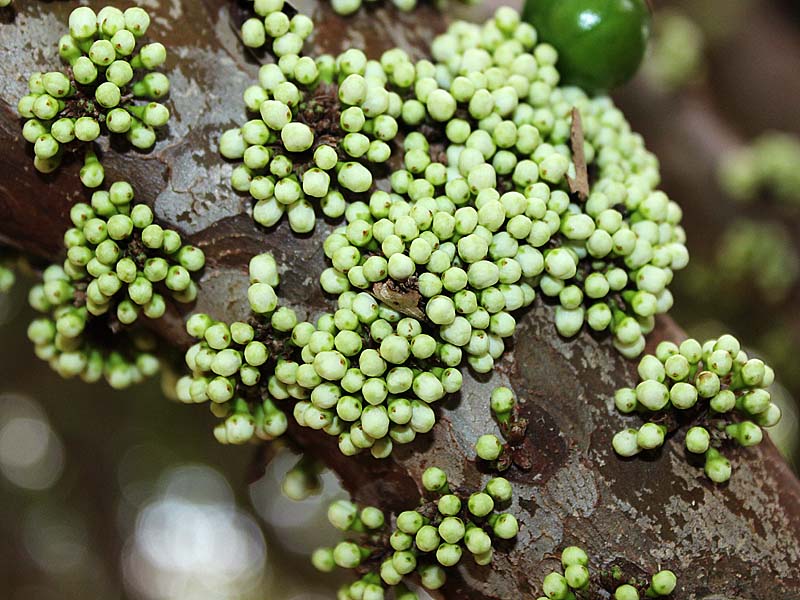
[(771, 165), (287, 33), (63, 339), (368, 375), (108, 69), (490, 210), (676, 50), (121, 264), (427, 540), (494, 91), (465, 266), (225, 358), (478, 218), (361, 373), (320, 121), (120, 259), (244, 420), (228, 362), (721, 391), (289, 151), (256, 32), (474, 253), (576, 578)]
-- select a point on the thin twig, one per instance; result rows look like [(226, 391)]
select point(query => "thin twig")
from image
[(580, 184)]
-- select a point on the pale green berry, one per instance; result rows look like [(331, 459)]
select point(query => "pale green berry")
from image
[(650, 435), (480, 504), (717, 467), (697, 440), (746, 433), (409, 522), (488, 447), (432, 577), (506, 527), (555, 586), (625, 443), (663, 583), (626, 592), (136, 20), (347, 555), (82, 23), (434, 479), (477, 540), (653, 395), (577, 576)]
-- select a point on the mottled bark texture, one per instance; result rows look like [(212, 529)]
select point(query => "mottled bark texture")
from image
[(740, 540)]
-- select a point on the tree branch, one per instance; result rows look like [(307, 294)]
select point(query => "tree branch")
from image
[(740, 540)]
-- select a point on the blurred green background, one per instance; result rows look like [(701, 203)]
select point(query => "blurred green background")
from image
[(109, 494)]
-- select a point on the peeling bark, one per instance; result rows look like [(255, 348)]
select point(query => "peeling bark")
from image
[(736, 541)]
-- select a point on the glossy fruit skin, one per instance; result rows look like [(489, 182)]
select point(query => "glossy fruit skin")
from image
[(600, 43)]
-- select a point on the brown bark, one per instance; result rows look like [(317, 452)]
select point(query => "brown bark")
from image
[(740, 540)]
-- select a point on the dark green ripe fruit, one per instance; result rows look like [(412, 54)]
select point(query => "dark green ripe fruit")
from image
[(600, 43)]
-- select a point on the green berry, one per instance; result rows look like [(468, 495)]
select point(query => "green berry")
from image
[(449, 505), (650, 435), (626, 592), (573, 555), (448, 555), (555, 586), (717, 467), (432, 577), (663, 583), (322, 559), (499, 489), (488, 447), (480, 504), (697, 440), (82, 23), (626, 443), (347, 555), (372, 517), (409, 522), (506, 527), (434, 479), (577, 576), (427, 538)]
